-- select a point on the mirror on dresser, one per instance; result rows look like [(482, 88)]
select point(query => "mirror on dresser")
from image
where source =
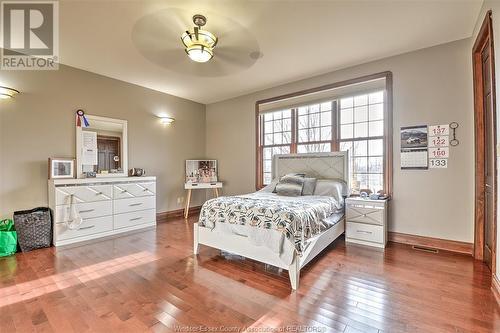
[(101, 147)]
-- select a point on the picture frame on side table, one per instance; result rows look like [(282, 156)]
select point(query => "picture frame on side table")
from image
[(61, 168), (201, 171)]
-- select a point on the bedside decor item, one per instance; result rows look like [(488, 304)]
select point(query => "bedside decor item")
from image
[(60, 168), (7, 93), (34, 228), (90, 174), (81, 119), (137, 172), (201, 171), (199, 44)]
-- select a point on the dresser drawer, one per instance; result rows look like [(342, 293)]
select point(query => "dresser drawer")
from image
[(134, 190), (133, 204), (365, 232), (134, 218), (85, 210), (88, 227), (365, 214), (87, 193)]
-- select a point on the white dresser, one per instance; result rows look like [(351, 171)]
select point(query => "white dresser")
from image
[(108, 206), (366, 221)]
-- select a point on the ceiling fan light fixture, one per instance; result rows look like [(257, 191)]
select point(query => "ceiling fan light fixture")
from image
[(199, 43), (199, 53)]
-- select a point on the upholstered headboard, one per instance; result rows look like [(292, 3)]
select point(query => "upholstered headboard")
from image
[(318, 165)]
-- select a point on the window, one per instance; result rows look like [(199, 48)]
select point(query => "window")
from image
[(315, 128), (362, 133), (277, 138), (355, 122)]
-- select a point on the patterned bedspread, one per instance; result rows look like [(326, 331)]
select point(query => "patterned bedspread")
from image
[(299, 218)]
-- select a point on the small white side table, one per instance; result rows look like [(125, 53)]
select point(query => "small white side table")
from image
[(199, 186), (366, 221)]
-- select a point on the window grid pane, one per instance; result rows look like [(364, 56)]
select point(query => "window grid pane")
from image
[(277, 138), (366, 164)]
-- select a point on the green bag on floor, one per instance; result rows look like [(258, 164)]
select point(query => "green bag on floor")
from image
[(8, 238)]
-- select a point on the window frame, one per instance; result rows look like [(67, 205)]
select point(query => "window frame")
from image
[(335, 141)]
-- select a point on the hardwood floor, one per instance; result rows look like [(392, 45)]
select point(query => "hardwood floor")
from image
[(151, 281)]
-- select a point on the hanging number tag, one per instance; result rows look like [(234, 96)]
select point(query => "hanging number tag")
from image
[(439, 152), (438, 163), (439, 130), (439, 141)]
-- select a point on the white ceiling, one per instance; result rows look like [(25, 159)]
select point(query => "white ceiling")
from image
[(261, 43)]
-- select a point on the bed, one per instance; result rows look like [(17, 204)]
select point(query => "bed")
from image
[(286, 232)]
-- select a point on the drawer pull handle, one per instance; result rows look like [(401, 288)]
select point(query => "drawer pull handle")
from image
[(364, 232), (89, 227), (135, 204), (98, 193), (124, 191), (136, 218), (364, 215), (86, 211)]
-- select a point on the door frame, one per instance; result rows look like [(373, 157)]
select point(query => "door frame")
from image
[(484, 39)]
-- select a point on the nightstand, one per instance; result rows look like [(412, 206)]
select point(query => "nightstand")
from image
[(366, 221)]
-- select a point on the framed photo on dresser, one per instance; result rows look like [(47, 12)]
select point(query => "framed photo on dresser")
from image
[(61, 168)]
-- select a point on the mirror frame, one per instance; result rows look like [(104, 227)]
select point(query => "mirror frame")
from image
[(124, 147)]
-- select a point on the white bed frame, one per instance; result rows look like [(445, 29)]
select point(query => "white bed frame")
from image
[(318, 165)]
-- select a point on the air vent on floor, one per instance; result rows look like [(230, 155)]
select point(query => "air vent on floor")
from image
[(425, 249)]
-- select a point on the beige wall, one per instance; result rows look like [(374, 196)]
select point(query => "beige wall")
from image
[(39, 123), (431, 86)]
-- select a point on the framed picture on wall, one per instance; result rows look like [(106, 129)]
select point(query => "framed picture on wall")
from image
[(201, 171), (61, 168)]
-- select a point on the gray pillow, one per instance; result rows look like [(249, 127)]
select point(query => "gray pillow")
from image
[(271, 187), (309, 186), (331, 188), (290, 185)]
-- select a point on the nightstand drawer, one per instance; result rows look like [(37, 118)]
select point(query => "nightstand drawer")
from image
[(365, 214), (365, 232)]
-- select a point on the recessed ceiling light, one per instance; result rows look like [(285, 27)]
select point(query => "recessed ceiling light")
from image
[(199, 43)]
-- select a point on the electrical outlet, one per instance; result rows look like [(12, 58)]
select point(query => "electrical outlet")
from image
[(180, 200)]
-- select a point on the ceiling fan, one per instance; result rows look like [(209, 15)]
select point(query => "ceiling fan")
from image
[(156, 37)]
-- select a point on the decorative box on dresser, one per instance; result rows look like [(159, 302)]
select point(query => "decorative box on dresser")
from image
[(108, 206), (366, 221)]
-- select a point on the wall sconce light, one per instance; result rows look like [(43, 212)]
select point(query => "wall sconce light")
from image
[(166, 120), (7, 93)]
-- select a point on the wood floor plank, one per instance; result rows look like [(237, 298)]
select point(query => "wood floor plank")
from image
[(150, 281)]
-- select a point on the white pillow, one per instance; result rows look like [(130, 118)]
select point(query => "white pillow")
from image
[(332, 188)]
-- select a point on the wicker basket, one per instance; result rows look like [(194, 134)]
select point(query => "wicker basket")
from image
[(34, 228)]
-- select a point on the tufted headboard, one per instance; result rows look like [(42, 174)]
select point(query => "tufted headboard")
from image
[(318, 165)]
